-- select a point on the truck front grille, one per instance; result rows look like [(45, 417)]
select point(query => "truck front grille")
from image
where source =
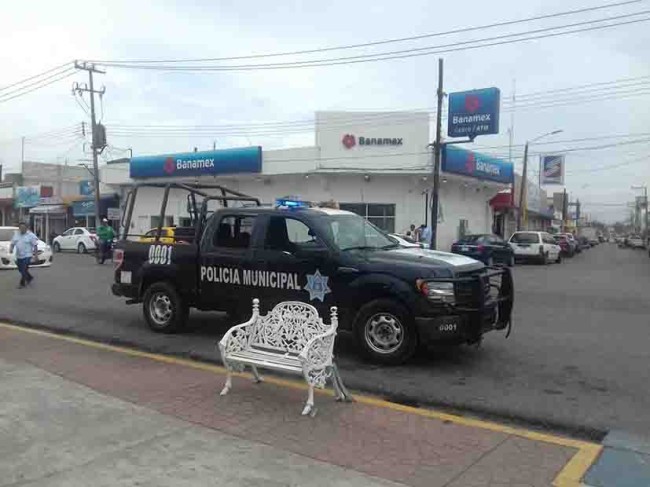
[(468, 291)]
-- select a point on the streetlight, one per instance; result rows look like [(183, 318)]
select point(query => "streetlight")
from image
[(524, 178), (645, 203)]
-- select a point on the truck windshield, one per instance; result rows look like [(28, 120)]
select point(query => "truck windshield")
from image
[(350, 232)]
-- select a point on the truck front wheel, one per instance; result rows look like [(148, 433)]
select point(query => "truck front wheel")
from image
[(386, 332), (163, 308)]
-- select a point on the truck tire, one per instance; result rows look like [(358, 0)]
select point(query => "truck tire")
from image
[(163, 308), (386, 332)]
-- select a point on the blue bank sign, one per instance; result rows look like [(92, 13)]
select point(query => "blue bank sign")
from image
[(207, 163), (473, 113), (473, 164)]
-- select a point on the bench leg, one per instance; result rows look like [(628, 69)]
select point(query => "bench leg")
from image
[(256, 375), (340, 390), (228, 385), (309, 406)]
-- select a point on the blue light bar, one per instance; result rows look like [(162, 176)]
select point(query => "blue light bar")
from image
[(291, 203)]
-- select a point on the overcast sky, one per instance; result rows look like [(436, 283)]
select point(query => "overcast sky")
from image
[(38, 37)]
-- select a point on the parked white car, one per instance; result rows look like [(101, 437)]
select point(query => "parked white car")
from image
[(405, 241), (79, 239), (635, 242), (8, 260), (535, 246)]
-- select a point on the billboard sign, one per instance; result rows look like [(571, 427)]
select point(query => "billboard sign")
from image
[(476, 165), (206, 163), (473, 113), (552, 168), (27, 196)]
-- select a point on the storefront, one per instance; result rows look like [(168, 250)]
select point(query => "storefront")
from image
[(375, 164), (83, 211), (7, 215), (49, 218)]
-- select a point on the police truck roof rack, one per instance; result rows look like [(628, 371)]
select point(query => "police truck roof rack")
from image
[(193, 190)]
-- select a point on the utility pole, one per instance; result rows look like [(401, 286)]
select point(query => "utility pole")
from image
[(22, 154), (522, 191), (93, 126), (565, 206), (577, 216), (436, 161)]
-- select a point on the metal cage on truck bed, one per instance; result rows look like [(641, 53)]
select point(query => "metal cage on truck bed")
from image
[(197, 210)]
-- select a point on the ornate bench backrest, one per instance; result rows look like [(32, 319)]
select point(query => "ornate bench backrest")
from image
[(288, 327)]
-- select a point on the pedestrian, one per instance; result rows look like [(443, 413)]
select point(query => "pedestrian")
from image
[(26, 245), (425, 234), (411, 232), (106, 235)]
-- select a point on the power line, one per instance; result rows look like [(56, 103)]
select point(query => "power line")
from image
[(42, 85), (401, 54), (57, 68), (377, 43), (34, 83)]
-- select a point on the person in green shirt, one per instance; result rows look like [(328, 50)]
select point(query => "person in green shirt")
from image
[(105, 234)]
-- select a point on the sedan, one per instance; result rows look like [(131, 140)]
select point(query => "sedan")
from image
[(43, 256), (406, 242), (78, 239), (567, 246), (489, 249)]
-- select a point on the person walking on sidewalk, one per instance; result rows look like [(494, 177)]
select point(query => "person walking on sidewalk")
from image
[(25, 243), (106, 235)]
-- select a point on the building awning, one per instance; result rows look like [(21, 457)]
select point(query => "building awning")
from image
[(48, 210), (502, 201)]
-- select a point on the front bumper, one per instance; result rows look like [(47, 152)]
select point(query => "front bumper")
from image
[(43, 260), (484, 304)]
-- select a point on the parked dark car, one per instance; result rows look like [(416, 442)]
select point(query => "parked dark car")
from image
[(583, 242), (566, 244), (489, 249)]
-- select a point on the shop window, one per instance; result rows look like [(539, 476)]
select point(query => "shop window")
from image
[(381, 215)]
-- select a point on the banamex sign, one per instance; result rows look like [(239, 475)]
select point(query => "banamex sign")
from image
[(473, 113)]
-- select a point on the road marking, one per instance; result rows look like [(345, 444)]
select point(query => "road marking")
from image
[(570, 475)]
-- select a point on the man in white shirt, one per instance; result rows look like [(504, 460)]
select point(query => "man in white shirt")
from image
[(25, 243), (425, 235)]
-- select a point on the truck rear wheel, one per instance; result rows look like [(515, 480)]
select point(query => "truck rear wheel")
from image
[(386, 332), (163, 308)]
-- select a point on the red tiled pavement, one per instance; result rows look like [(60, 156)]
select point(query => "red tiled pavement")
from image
[(379, 441)]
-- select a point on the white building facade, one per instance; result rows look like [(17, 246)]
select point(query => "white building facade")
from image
[(378, 165)]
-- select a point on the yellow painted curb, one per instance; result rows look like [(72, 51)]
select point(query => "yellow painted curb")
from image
[(569, 476)]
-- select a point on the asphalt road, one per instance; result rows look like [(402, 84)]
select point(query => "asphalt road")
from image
[(578, 359)]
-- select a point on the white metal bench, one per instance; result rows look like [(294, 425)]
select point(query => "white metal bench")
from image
[(291, 338)]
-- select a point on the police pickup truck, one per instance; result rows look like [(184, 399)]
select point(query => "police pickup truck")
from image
[(392, 298)]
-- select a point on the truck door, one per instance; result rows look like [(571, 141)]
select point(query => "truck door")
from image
[(293, 263), (224, 261)]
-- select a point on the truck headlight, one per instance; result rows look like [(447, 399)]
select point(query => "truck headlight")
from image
[(438, 292)]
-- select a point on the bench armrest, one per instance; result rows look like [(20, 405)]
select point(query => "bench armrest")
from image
[(238, 337), (319, 350)]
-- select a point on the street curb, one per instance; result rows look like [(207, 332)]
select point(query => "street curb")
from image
[(570, 475), (586, 433)]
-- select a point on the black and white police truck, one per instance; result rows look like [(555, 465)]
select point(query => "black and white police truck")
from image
[(392, 298)]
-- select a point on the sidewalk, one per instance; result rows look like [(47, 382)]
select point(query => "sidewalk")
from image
[(76, 413)]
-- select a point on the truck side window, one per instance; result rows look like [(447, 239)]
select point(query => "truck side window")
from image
[(234, 232), (289, 235)]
